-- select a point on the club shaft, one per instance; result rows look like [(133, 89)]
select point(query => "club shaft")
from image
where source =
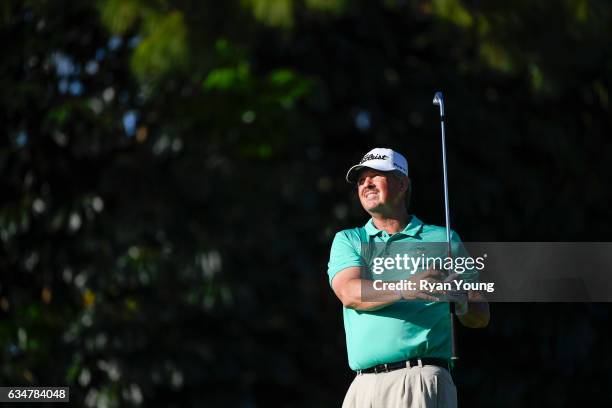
[(439, 101), (446, 205)]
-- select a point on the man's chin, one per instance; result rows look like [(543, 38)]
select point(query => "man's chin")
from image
[(373, 208)]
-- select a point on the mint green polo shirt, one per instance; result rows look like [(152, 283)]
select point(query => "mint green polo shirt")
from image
[(401, 330)]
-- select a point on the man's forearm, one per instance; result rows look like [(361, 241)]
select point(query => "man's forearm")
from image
[(353, 296), (478, 314)]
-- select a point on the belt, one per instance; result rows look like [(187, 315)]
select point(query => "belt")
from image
[(385, 368)]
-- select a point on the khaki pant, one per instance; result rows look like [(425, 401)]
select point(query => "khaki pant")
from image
[(417, 387)]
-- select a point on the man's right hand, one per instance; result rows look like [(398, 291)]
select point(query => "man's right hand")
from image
[(430, 276)]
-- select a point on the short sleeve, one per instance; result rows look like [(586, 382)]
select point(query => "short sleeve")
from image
[(344, 254)]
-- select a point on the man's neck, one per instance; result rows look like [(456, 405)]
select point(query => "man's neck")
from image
[(391, 224)]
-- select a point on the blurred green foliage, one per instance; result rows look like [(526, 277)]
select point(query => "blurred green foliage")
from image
[(163, 46), (172, 178)]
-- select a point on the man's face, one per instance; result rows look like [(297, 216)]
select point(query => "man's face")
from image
[(380, 190)]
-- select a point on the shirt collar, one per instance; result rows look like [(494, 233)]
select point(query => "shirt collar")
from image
[(412, 229)]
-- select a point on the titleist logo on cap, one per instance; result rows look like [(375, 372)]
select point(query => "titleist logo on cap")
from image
[(381, 159), (369, 157)]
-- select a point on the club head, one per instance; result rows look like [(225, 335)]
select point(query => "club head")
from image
[(438, 100)]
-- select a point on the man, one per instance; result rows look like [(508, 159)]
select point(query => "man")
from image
[(399, 349)]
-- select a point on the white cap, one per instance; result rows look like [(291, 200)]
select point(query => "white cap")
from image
[(379, 159)]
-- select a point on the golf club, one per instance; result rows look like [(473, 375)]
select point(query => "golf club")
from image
[(439, 101)]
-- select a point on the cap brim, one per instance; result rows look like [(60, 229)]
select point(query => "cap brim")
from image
[(351, 175)]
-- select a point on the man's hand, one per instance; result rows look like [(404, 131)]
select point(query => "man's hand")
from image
[(458, 296), (471, 307), (430, 276)]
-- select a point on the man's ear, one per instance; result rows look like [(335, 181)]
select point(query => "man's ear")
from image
[(405, 184), (408, 191)]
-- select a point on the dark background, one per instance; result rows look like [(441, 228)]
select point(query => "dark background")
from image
[(173, 175)]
